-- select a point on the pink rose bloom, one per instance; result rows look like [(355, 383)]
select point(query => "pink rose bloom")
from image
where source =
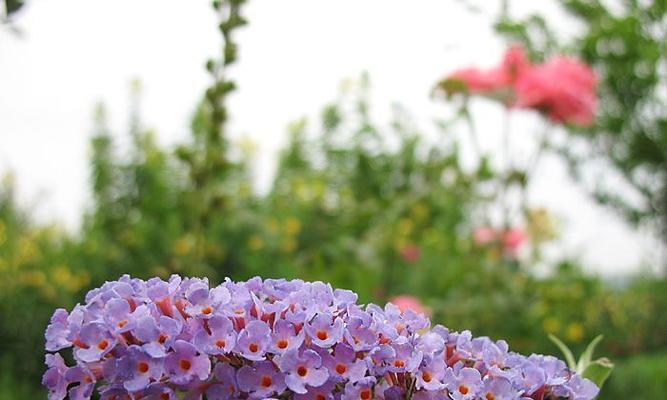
[(497, 79), (410, 253), (405, 302), (513, 239), (484, 235), (562, 88)]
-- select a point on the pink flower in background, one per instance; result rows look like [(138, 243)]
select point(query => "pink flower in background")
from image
[(496, 79), (476, 80), (562, 88), (405, 302), (512, 240), (410, 253), (484, 235)]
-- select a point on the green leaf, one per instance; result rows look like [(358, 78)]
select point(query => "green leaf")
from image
[(569, 357), (13, 6), (598, 371), (587, 355)]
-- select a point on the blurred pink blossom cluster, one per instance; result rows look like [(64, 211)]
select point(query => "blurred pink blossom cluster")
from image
[(511, 239), (406, 302), (561, 88)]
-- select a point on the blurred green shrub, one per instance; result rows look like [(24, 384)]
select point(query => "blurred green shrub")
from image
[(638, 378)]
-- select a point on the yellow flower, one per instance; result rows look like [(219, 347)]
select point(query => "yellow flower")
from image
[(3, 233), (182, 246), (431, 237), (272, 225), (398, 244), (551, 325), (161, 271), (292, 226), (288, 245), (61, 275), (247, 146), (245, 190), (255, 242), (420, 212), (319, 188), (541, 225), (33, 278), (405, 227), (48, 292), (79, 281), (214, 251), (574, 332), (27, 251)]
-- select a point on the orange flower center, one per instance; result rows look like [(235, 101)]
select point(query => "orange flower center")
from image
[(162, 338), (142, 367), (185, 365), (399, 363), (282, 344), (322, 335), (220, 343), (266, 381), (122, 323), (302, 371), (365, 394), (253, 347), (103, 344), (207, 310), (341, 368), (463, 389), (426, 377), (490, 396)]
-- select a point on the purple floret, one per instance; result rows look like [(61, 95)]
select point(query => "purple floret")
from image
[(261, 380), (325, 330), (219, 338), (137, 369), (185, 364), (95, 341), (254, 340), (303, 369)]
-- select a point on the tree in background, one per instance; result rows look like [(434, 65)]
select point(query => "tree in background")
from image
[(625, 41), (9, 7)]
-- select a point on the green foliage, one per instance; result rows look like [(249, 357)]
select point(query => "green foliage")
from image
[(638, 378), (11, 7), (596, 370)]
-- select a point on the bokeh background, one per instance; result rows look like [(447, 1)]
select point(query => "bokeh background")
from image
[(124, 149)]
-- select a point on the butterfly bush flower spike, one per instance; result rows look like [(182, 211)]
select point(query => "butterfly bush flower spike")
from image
[(278, 339)]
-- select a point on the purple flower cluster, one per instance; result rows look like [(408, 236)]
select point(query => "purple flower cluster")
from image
[(270, 338)]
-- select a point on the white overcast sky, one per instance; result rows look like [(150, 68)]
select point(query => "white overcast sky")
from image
[(294, 54)]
